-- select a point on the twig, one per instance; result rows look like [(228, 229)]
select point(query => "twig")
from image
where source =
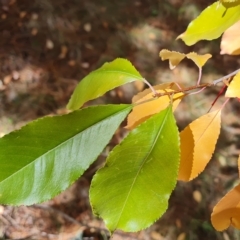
[(184, 90), (219, 94), (69, 218), (64, 215), (192, 93), (12, 221), (225, 77), (150, 86), (178, 86), (158, 95), (199, 75)]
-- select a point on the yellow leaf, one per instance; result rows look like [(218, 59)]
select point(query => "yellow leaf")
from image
[(174, 57), (233, 89), (227, 211), (198, 142), (142, 94), (198, 59), (230, 43), (142, 112), (181, 236)]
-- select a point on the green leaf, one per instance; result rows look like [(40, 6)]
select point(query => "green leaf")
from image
[(230, 3), (211, 23), (43, 158), (110, 75), (132, 190)]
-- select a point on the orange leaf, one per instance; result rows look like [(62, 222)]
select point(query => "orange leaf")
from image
[(199, 60), (174, 57), (230, 43), (142, 94), (239, 166), (227, 211), (198, 142), (142, 112), (233, 89)]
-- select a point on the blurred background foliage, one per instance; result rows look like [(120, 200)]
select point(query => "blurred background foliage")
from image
[(47, 46)]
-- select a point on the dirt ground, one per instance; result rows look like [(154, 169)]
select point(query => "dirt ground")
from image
[(47, 46)]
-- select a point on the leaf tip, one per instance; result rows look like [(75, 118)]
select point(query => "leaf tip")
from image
[(180, 36)]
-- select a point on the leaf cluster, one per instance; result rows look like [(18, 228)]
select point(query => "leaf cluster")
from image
[(132, 189)]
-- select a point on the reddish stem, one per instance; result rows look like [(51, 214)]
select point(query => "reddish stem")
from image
[(199, 75), (217, 97)]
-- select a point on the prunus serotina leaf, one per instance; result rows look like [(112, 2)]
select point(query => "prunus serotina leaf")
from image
[(233, 89), (230, 43), (132, 190), (198, 59), (211, 23), (110, 75), (161, 86), (230, 3), (143, 111), (227, 211), (198, 142), (46, 156), (239, 166), (174, 57)]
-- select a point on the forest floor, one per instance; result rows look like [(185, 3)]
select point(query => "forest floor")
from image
[(47, 46)]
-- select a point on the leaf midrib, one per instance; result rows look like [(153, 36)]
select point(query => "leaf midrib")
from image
[(32, 162), (143, 162), (200, 137), (116, 71), (214, 28)]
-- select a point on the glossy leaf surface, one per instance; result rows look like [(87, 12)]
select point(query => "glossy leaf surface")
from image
[(227, 211), (110, 75), (198, 142), (144, 111), (233, 89), (211, 23), (132, 190), (43, 158)]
